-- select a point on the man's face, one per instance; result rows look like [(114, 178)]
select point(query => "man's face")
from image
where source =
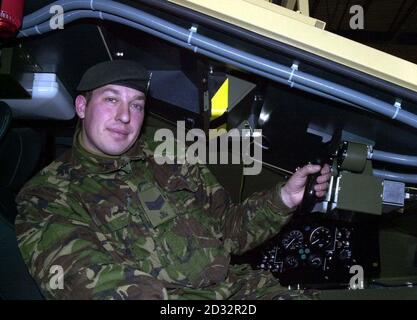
[(112, 119)]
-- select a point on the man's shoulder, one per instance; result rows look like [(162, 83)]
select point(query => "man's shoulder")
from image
[(55, 176), (148, 144)]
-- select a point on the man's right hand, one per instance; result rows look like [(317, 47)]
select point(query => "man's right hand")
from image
[(293, 191)]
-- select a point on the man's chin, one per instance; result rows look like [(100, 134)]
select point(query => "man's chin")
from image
[(116, 147), (115, 151)]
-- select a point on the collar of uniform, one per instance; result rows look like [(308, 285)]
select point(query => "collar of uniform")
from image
[(94, 163)]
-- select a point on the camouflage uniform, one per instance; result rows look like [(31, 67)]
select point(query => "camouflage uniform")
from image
[(128, 228)]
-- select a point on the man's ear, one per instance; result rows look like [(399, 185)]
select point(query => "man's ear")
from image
[(80, 105)]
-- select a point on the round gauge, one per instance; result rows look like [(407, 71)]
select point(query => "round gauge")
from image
[(291, 262), (315, 261), (293, 240), (321, 237)]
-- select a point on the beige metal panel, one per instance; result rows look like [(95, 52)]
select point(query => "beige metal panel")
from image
[(268, 20), (303, 6), (283, 11), (289, 4)]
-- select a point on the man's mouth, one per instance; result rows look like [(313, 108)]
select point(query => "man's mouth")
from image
[(119, 132)]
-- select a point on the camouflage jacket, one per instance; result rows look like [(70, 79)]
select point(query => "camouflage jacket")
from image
[(128, 228)]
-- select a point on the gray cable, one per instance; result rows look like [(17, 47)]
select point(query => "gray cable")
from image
[(396, 176), (199, 42), (191, 40), (396, 158), (81, 14)]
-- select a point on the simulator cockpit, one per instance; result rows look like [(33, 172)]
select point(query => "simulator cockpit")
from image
[(268, 70)]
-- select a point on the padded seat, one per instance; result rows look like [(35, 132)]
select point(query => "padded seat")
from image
[(19, 156)]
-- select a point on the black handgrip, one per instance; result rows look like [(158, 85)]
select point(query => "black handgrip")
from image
[(309, 197)]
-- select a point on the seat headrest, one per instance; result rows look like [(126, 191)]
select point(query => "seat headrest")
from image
[(20, 152)]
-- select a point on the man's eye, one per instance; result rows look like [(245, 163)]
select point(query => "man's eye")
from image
[(110, 99), (138, 107)]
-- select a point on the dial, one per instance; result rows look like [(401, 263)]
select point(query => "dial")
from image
[(291, 262), (321, 237), (293, 240), (315, 261)]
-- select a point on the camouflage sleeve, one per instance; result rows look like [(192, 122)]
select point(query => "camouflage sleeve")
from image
[(70, 260), (244, 226)]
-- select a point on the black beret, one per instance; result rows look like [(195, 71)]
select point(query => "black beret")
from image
[(119, 72)]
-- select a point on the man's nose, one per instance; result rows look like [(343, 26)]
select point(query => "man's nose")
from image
[(123, 113)]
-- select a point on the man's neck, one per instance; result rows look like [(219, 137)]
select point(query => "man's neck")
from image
[(94, 152)]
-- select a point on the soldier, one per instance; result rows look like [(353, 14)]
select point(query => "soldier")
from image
[(119, 226)]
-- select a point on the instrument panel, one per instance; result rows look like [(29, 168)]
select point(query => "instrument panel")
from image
[(319, 253), (312, 251)]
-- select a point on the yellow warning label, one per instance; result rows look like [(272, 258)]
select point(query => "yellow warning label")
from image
[(220, 101)]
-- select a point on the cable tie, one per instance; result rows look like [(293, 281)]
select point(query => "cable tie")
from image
[(294, 68), (193, 30), (397, 105)]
